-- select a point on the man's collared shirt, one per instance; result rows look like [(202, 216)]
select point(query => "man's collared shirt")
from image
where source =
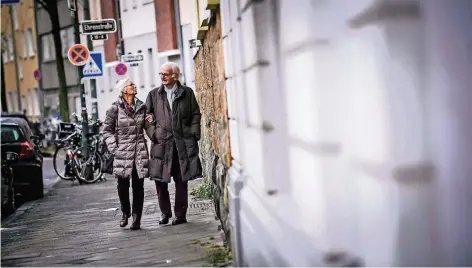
[(170, 94)]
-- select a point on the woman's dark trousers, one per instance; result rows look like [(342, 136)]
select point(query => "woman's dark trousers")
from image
[(138, 198)]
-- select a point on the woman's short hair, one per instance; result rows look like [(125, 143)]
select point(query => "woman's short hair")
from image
[(121, 85)]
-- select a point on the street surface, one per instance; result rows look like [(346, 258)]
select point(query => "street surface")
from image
[(79, 225), (49, 175)]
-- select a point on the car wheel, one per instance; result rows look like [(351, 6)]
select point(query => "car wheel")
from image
[(10, 207)]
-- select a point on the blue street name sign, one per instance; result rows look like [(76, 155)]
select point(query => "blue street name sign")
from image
[(10, 2)]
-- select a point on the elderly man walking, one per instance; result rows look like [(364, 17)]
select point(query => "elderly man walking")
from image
[(175, 131)]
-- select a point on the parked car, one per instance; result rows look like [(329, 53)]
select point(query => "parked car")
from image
[(8, 187), (17, 137)]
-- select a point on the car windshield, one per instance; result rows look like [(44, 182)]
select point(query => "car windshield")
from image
[(11, 134)]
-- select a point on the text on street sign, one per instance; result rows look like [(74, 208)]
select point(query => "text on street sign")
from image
[(96, 37), (98, 26), (132, 58)]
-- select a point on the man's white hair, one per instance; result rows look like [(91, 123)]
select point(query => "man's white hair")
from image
[(175, 68), (121, 85)]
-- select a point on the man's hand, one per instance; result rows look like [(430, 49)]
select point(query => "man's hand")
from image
[(149, 118)]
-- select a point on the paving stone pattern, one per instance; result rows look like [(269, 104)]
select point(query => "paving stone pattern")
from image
[(79, 225)]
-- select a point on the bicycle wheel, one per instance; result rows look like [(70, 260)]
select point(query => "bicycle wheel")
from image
[(61, 163), (80, 162)]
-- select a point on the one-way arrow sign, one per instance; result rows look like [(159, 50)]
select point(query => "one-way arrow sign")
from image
[(132, 58), (98, 26)]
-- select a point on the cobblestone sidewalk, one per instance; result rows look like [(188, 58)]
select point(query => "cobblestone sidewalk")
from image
[(79, 225)]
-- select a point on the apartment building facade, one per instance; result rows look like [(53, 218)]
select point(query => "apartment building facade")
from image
[(47, 59), (348, 127), (145, 27), (19, 43)]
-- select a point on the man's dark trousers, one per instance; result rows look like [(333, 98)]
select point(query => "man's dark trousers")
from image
[(181, 192)]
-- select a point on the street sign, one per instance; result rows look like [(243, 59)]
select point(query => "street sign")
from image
[(10, 2), (132, 58), (37, 75), (194, 43), (98, 26), (134, 64), (94, 66), (96, 37), (72, 4), (78, 54), (121, 69)]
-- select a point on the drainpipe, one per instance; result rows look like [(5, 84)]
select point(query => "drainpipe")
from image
[(180, 38), (235, 186), (39, 56), (121, 42), (12, 22)]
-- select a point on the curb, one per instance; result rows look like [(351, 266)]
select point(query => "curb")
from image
[(27, 205)]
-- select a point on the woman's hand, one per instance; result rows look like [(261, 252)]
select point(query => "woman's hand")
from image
[(150, 118)]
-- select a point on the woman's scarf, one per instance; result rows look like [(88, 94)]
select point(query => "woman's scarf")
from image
[(129, 107)]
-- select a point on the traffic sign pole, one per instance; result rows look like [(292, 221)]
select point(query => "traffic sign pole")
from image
[(85, 124), (93, 82)]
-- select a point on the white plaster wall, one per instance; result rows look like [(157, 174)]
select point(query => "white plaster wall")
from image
[(348, 141)]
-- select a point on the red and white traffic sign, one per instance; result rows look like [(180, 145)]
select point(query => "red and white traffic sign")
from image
[(78, 55), (121, 69)]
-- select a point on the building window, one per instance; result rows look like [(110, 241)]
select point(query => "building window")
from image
[(64, 42), (36, 102), (10, 48), (52, 47), (10, 102), (20, 69), (71, 37), (24, 103), (15, 18), (24, 45), (46, 48), (30, 40), (150, 61)]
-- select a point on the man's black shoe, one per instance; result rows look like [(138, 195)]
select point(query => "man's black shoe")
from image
[(178, 221), (124, 220)]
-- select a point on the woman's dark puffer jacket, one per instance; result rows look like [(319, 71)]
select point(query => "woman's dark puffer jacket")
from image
[(124, 135)]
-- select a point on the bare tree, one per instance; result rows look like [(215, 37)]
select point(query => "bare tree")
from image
[(50, 6)]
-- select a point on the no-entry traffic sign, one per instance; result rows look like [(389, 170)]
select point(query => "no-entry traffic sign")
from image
[(121, 69), (37, 75), (78, 55)]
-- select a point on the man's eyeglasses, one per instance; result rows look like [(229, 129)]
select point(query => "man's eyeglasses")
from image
[(164, 75)]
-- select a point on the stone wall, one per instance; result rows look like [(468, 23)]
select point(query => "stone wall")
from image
[(211, 94)]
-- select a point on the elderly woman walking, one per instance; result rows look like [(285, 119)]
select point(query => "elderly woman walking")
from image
[(124, 136)]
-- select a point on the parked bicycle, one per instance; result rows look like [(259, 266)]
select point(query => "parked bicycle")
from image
[(8, 187), (69, 160)]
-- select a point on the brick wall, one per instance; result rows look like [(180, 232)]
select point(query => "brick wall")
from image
[(109, 9), (166, 27), (211, 94)]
